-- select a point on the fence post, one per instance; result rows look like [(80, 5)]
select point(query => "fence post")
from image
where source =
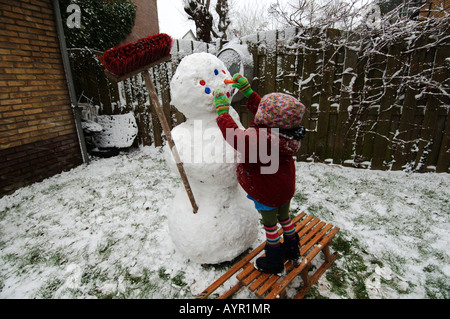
[(405, 137), (156, 125), (443, 162), (390, 84), (341, 153), (328, 70), (429, 145), (306, 86), (165, 91)]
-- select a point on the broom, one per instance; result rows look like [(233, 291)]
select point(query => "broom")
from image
[(127, 60)]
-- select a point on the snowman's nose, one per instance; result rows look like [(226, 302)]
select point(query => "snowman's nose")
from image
[(226, 81)]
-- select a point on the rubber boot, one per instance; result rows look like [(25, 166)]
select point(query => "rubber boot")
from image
[(291, 249), (272, 263)]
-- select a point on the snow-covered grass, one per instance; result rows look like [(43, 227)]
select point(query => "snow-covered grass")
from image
[(100, 231)]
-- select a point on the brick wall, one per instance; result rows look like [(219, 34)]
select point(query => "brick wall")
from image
[(37, 131), (146, 22)]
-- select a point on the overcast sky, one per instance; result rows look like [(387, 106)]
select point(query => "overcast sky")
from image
[(173, 20)]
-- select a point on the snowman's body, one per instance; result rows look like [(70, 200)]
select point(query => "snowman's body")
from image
[(226, 223)]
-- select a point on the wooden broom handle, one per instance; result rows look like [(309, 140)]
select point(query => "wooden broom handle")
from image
[(162, 118)]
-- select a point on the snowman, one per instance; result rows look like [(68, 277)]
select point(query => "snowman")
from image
[(226, 223)]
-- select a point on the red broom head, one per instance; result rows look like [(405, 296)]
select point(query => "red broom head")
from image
[(126, 58)]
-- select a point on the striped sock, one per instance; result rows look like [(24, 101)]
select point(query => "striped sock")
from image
[(272, 236), (288, 228)]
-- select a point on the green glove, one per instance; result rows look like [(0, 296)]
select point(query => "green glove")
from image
[(221, 101), (243, 85)]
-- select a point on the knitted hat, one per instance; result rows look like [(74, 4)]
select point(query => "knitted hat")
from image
[(279, 110)]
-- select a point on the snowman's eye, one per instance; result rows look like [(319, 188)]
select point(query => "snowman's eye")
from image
[(216, 72), (223, 71)]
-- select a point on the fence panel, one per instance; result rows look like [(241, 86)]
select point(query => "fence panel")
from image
[(379, 102), (372, 101)]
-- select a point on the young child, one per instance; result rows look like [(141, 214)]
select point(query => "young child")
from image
[(271, 193)]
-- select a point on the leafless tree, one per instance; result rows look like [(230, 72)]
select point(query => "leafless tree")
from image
[(250, 19), (222, 10), (319, 13), (199, 11)]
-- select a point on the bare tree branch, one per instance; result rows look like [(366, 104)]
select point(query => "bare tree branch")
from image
[(199, 11)]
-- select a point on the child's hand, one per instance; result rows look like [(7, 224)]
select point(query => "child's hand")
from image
[(221, 101), (243, 85)]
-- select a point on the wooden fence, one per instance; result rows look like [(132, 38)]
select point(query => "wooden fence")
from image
[(379, 100)]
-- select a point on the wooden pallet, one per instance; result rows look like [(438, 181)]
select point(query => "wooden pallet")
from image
[(315, 236)]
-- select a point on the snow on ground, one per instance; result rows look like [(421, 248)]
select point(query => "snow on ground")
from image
[(100, 231)]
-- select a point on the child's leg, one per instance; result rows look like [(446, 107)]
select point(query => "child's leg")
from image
[(273, 261), (283, 211), (291, 239), (285, 221), (269, 219)]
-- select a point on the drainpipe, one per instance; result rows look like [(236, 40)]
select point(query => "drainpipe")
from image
[(73, 97)]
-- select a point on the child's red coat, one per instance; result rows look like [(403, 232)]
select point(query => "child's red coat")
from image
[(273, 190)]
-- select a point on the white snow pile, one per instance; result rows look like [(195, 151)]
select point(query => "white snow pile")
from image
[(101, 231), (117, 130)]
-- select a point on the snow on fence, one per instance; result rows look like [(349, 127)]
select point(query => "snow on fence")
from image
[(377, 99)]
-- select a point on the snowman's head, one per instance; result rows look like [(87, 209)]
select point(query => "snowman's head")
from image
[(197, 77)]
